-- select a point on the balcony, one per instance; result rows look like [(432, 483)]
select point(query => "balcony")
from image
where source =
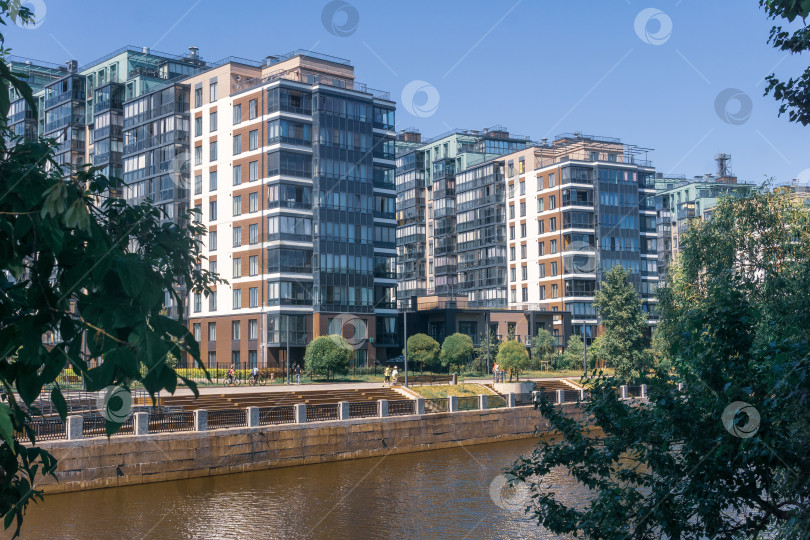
[(382, 274), (107, 131), (384, 215), (290, 204), (387, 338), (63, 97), (59, 123), (385, 305), (281, 337), (289, 140), (293, 237), (108, 157)]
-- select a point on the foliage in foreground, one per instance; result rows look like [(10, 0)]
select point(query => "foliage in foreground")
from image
[(728, 456)]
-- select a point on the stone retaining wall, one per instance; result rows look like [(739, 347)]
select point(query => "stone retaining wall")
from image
[(127, 460)]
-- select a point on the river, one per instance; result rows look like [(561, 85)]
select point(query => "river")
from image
[(435, 494)]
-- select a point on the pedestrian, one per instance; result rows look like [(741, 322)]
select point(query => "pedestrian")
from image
[(394, 376), (387, 376), (298, 373), (495, 372)]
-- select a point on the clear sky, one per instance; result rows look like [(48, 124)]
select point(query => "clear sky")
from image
[(687, 84)]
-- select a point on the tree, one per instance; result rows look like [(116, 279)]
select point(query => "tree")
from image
[(423, 349), (484, 356), (78, 263), (793, 93), (544, 347), (512, 355), (624, 325), (456, 350), (573, 355), (727, 456), (328, 355)]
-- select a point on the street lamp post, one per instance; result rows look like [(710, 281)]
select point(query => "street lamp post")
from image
[(584, 354), (405, 331)]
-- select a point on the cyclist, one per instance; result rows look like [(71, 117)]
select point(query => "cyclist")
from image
[(231, 374), (254, 374)]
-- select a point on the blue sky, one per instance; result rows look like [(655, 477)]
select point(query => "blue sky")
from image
[(539, 67)]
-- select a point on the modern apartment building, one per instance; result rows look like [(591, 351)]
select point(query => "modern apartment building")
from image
[(576, 207), (293, 173), (678, 201), (433, 248), (25, 121)]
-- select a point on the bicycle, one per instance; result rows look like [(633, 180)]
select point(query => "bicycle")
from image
[(232, 382), (258, 379)]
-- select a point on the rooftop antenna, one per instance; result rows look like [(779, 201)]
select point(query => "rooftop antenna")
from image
[(723, 165)]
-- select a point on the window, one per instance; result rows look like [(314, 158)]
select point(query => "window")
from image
[(253, 296), (551, 181), (511, 211), (253, 202), (511, 232), (553, 269), (212, 267), (513, 296), (539, 183), (212, 331), (542, 267), (198, 98), (212, 210), (523, 230), (524, 272), (236, 330), (197, 184), (212, 301), (237, 114), (212, 121), (552, 224), (253, 233), (252, 108), (512, 253), (554, 290), (237, 205), (552, 202), (553, 247), (541, 227), (542, 292), (523, 251), (541, 248), (525, 294), (212, 359), (212, 92), (521, 166), (212, 154), (237, 144), (237, 267), (212, 240), (253, 329), (540, 205), (253, 171), (236, 358), (237, 299), (212, 180), (197, 332), (237, 175), (523, 209), (253, 265), (197, 302), (253, 139), (513, 274), (198, 126), (522, 185), (198, 155), (237, 236)]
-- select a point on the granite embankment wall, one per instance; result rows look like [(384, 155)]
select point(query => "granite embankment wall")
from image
[(129, 459)]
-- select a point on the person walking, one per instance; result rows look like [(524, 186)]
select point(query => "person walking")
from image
[(297, 373), (394, 376), (495, 372), (387, 376)]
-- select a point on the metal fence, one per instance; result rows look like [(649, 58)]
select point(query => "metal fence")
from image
[(524, 399), (363, 409), (436, 405), (325, 411), (48, 429), (95, 425), (495, 402), (163, 422), (467, 403), (276, 415), (571, 396), (401, 407), (226, 418)]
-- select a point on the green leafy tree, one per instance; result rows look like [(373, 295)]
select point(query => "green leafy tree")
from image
[(624, 325), (424, 350), (544, 347), (328, 355), (794, 93), (456, 350), (727, 456), (512, 356), (572, 357), (79, 263)]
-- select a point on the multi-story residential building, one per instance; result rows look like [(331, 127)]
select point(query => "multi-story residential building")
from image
[(23, 120), (575, 208), (432, 251), (678, 201), (293, 167)]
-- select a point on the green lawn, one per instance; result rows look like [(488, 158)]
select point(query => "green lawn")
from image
[(444, 390)]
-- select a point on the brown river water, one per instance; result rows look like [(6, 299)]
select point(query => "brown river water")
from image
[(435, 494)]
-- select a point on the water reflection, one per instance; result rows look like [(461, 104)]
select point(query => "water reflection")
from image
[(438, 494)]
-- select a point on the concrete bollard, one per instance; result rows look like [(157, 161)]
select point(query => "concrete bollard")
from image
[(560, 397), (343, 410), (510, 399), (535, 396), (482, 401), (382, 408), (252, 416), (73, 427), (301, 413), (420, 405), (200, 420), (644, 390), (141, 423), (623, 390), (452, 403), (582, 394)]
